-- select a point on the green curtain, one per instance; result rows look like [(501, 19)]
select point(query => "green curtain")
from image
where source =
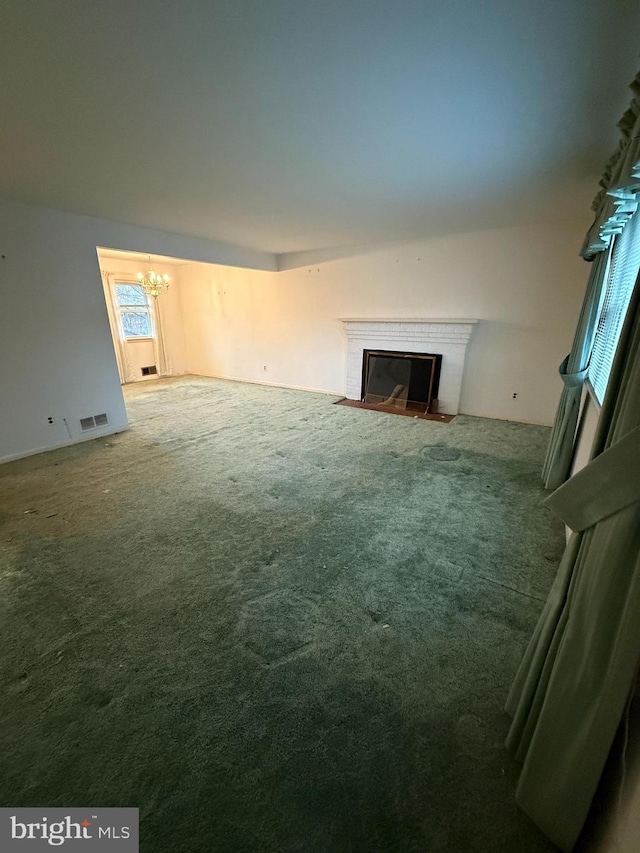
[(617, 199), (573, 371), (614, 205), (569, 695)]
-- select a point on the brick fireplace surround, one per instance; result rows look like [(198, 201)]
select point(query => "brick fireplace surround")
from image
[(446, 337)]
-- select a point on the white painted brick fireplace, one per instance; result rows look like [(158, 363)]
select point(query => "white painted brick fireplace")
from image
[(446, 337)]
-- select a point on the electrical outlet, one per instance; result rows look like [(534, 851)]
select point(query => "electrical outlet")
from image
[(49, 420), (265, 367), (514, 396)]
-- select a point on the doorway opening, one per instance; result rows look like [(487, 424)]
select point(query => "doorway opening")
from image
[(147, 330)]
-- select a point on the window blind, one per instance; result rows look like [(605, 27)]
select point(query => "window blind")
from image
[(623, 272)]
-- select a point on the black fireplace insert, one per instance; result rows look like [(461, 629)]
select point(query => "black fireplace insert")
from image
[(401, 380)]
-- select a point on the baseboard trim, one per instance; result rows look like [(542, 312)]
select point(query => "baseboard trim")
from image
[(271, 384), (342, 394), (504, 418), (103, 433)]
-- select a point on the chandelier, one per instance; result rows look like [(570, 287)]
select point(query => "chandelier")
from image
[(152, 282)]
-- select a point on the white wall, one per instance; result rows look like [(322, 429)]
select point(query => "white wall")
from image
[(525, 285), (55, 344), (225, 320), (139, 354)]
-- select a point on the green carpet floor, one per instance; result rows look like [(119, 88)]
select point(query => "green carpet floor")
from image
[(274, 624)]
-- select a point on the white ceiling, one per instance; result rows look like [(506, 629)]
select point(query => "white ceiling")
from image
[(289, 125)]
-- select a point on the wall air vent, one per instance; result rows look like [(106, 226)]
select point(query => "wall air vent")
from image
[(149, 371), (94, 421)]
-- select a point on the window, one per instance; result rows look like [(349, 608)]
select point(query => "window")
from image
[(625, 262), (133, 307)]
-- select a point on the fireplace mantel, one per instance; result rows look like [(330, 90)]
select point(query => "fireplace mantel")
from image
[(448, 337)]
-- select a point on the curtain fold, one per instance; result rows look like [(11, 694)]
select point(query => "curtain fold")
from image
[(614, 205), (571, 689), (573, 372), (610, 483), (617, 199)]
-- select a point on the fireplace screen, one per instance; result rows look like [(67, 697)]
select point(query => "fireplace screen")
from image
[(401, 380)]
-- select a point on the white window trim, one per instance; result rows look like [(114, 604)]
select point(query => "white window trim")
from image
[(593, 395), (149, 307)]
